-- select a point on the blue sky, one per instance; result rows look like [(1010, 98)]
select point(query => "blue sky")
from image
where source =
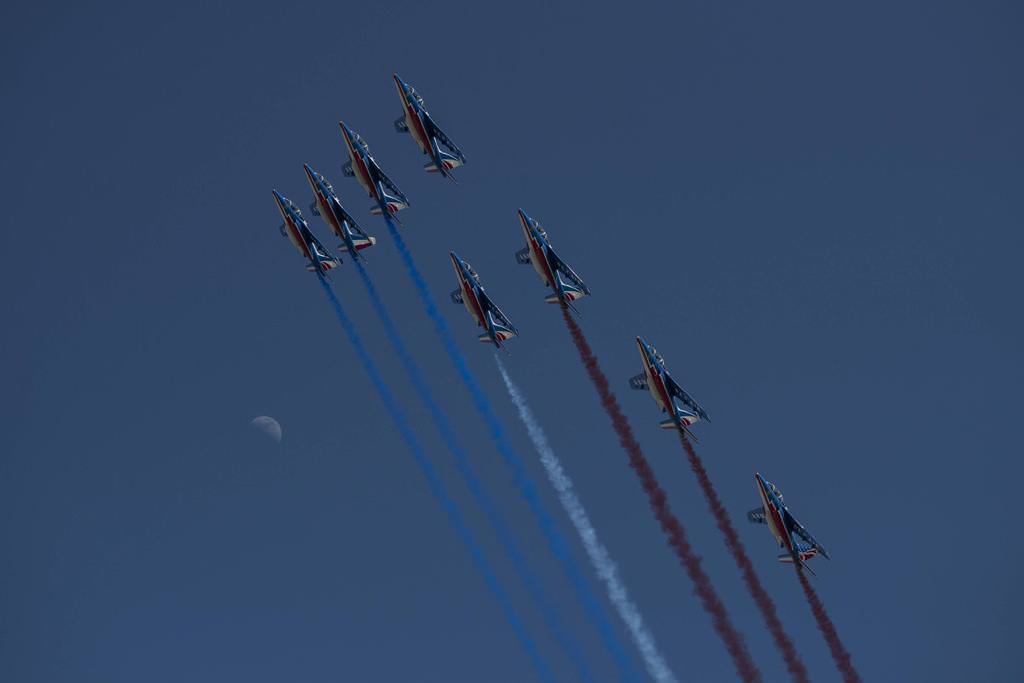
[(813, 211)]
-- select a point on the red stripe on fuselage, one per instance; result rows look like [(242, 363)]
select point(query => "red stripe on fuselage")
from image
[(297, 237), (327, 211), (776, 518), (538, 251), (478, 310), (659, 384), (360, 167), (419, 131)]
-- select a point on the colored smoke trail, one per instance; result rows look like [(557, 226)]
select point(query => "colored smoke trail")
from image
[(476, 488), (598, 554), (547, 526), (732, 541), (436, 487), (672, 527), (839, 653)]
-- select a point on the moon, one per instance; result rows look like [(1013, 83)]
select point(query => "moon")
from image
[(268, 426)]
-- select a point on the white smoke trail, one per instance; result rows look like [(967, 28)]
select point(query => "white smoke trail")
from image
[(598, 554)]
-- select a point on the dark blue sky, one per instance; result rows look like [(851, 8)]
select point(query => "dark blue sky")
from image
[(813, 211)]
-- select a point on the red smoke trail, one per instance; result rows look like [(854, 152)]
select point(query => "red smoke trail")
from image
[(757, 591), (828, 629), (745, 666)]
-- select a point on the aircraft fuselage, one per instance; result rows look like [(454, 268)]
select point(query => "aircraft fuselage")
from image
[(469, 297), (773, 516), (655, 382), (414, 122)]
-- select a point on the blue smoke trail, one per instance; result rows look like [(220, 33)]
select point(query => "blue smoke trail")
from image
[(462, 462), (603, 563), (436, 487), (557, 544)]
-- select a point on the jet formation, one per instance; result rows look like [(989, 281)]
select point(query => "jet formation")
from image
[(566, 286)]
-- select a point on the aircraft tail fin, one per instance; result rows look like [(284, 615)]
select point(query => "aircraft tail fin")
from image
[(804, 551), (570, 291), (393, 203), (501, 330), (684, 422), (449, 161), (360, 243)]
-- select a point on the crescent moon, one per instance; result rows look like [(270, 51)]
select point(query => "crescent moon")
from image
[(268, 426)]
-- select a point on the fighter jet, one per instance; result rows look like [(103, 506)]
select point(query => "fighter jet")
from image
[(784, 526), (416, 120), (295, 229), (327, 205), (365, 169), (664, 389), (485, 313), (553, 271)]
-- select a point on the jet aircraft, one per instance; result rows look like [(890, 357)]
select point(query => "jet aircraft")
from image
[(486, 314), (553, 271), (327, 205), (665, 390), (294, 227), (416, 120), (361, 165), (784, 526)]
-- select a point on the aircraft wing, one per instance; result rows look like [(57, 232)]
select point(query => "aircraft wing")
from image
[(638, 382), (499, 317), (523, 256), (363, 237), (319, 251), (400, 124), (347, 217), (678, 392), (800, 531), (757, 516), (346, 169), (568, 272), (446, 141), (388, 183)]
